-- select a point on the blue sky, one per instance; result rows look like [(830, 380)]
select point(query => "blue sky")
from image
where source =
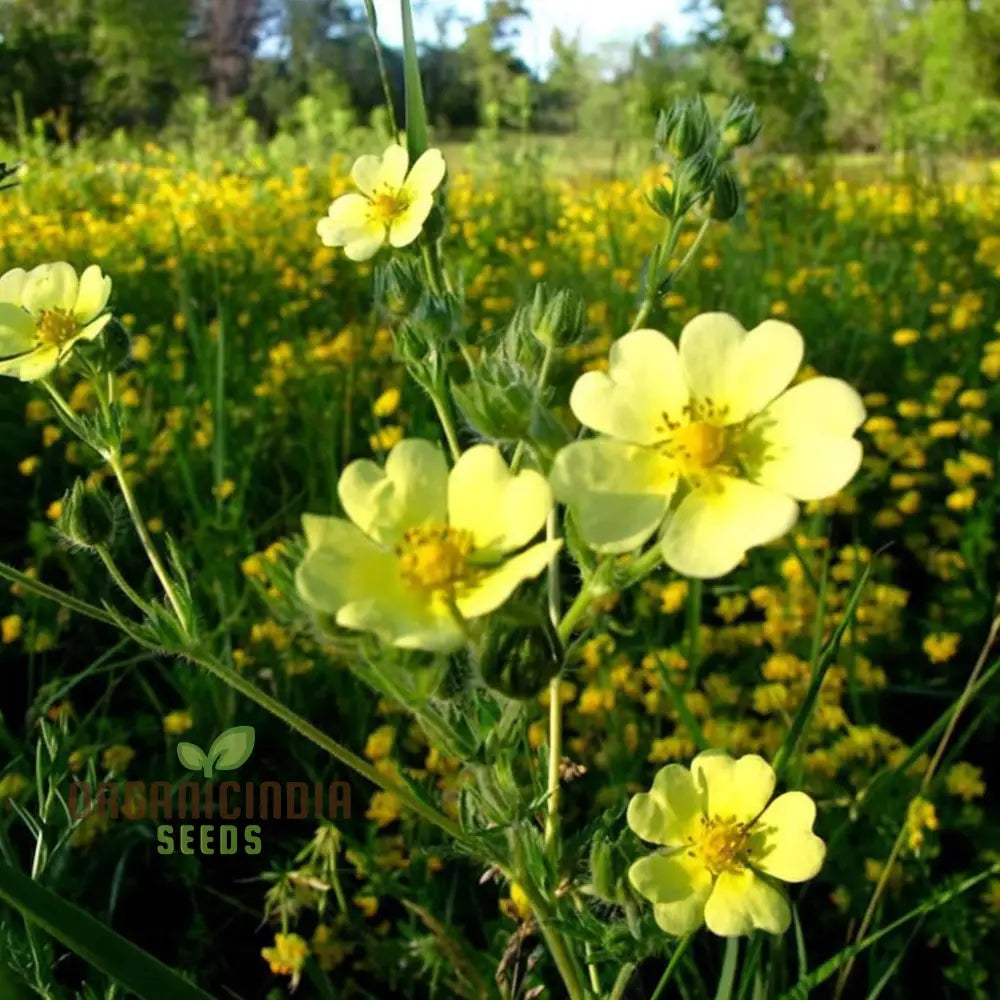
[(598, 21)]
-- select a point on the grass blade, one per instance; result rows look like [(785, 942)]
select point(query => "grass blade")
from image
[(416, 112), (124, 962)]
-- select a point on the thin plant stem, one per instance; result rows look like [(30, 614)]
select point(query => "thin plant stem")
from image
[(115, 461), (383, 74), (682, 947), (67, 601), (116, 575), (543, 377), (336, 750), (555, 702), (960, 705), (447, 425), (695, 595)]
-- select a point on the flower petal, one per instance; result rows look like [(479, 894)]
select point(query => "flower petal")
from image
[(618, 493), (17, 330), (347, 575), (502, 511), (12, 285), (406, 226), (496, 585), (737, 370), (50, 286), (89, 332), (366, 173), (736, 789), (666, 813), (716, 523), (668, 878), (783, 844), (411, 490), (341, 564), (742, 902), (426, 174), (92, 295), (395, 160), (32, 366), (643, 385), (363, 244), (348, 213), (810, 452)]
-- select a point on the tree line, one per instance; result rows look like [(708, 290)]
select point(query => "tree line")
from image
[(827, 74)]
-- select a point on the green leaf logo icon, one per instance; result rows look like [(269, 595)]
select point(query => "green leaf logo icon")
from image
[(230, 749)]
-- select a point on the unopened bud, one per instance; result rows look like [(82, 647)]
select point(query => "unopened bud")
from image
[(88, 516), (725, 196), (519, 661)]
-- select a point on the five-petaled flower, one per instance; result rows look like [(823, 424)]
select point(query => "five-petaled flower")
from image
[(44, 312), (711, 426), (425, 550), (393, 204), (724, 846)]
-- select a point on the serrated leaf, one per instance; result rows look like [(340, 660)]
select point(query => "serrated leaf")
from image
[(191, 756), (232, 748)]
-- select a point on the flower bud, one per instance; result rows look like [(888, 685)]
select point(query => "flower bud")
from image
[(740, 124), (519, 661), (557, 320), (88, 517), (603, 877), (108, 351), (725, 196)]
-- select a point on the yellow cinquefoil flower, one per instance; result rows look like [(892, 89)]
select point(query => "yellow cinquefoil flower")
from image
[(711, 424), (724, 846), (425, 548), (44, 312), (393, 204)]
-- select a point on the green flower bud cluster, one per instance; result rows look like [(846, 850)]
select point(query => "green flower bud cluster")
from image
[(609, 878), (700, 152)]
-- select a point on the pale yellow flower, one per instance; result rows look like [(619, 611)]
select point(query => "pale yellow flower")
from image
[(393, 204), (725, 846), (710, 426), (425, 549), (45, 312)]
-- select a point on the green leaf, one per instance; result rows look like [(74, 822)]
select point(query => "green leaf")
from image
[(416, 113), (232, 748), (131, 967), (191, 756)]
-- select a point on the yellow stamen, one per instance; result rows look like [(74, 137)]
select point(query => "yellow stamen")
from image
[(386, 207), (720, 844), (56, 326), (434, 557), (699, 443)]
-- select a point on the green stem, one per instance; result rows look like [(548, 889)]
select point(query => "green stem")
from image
[(561, 954), (115, 461), (383, 75), (447, 425), (336, 750), (555, 705), (682, 947), (116, 575), (622, 981), (68, 417), (543, 377), (30, 584)]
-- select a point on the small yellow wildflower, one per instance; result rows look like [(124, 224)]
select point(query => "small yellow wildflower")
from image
[(379, 743), (117, 758), (12, 785), (384, 808), (905, 337), (224, 489), (393, 204), (368, 905), (673, 596), (721, 836), (920, 816), (941, 646), (517, 906), (11, 627), (29, 466), (177, 722), (287, 956), (386, 404), (965, 781)]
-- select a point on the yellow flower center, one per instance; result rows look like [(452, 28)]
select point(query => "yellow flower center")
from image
[(700, 443), (434, 557), (720, 843), (387, 207), (56, 326)]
